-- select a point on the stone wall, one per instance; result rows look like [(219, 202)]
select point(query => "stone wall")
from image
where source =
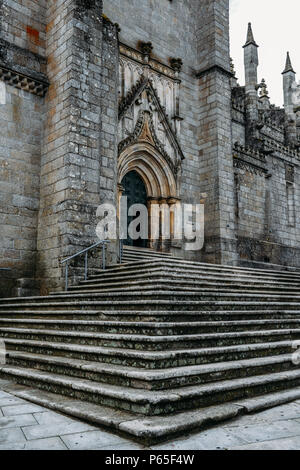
[(23, 84), (20, 136), (74, 171), (23, 24), (268, 203)]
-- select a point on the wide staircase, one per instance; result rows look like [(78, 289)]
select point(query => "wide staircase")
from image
[(157, 346)]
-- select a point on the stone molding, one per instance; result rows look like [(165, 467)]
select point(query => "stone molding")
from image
[(23, 82), (251, 160), (145, 131), (277, 147), (154, 64), (214, 68)]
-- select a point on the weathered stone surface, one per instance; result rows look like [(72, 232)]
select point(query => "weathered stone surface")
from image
[(57, 166)]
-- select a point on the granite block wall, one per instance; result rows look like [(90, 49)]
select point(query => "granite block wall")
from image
[(74, 171)]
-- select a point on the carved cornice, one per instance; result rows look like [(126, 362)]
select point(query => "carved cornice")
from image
[(214, 68), (242, 165), (154, 64), (23, 82), (250, 160), (277, 147), (13, 71)]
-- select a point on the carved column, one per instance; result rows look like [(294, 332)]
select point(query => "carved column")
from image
[(154, 222)]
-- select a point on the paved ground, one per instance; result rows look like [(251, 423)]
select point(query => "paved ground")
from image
[(24, 425)]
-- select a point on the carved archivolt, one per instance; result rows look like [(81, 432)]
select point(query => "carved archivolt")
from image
[(158, 177)]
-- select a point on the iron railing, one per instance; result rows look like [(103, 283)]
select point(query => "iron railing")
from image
[(85, 252), (121, 250)]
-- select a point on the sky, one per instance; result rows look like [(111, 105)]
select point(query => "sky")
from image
[(276, 28)]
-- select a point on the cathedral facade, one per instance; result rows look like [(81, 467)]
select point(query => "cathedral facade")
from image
[(139, 97)]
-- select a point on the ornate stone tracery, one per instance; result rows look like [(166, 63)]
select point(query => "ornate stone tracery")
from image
[(149, 123)]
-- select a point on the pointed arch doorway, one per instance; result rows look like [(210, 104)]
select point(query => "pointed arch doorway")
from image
[(148, 180), (135, 191)]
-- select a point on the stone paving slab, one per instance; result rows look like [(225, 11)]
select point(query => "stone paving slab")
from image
[(96, 440), (20, 409), (54, 443), (261, 432), (55, 429), (11, 436), (211, 439), (11, 400), (288, 443), (17, 421), (50, 418), (283, 412)]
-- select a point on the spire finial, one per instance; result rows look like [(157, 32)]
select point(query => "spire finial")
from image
[(250, 37), (263, 89), (288, 64)]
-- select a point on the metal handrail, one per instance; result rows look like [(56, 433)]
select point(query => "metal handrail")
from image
[(121, 250), (85, 251)]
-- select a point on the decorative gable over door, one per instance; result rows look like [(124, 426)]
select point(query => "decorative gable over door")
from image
[(149, 108)]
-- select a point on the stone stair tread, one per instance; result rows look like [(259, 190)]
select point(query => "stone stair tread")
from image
[(148, 338), (128, 250), (152, 375), (150, 304), (141, 272), (163, 293), (152, 324), (169, 354), (161, 267), (117, 304), (195, 290), (156, 313), (188, 281), (148, 396), (149, 429), (155, 427), (176, 271), (209, 266)]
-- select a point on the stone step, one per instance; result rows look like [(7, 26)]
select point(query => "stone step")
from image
[(193, 267), (130, 259), (137, 251), (157, 295), (178, 281), (154, 403), (152, 343), (142, 279), (153, 429), (147, 379), (141, 258), (150, 327), (150, 315), (167, 304), (159, 286), (151, 359), (258, 270), (174, 263)]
